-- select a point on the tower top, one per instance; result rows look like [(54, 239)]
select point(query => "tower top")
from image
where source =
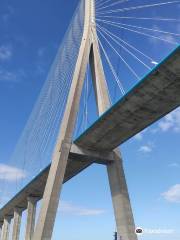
[(92, 11)]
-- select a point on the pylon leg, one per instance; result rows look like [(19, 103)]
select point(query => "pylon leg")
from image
[(45, 223), (120, 197)]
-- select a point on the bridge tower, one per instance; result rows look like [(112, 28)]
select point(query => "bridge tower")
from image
[(88, 52)]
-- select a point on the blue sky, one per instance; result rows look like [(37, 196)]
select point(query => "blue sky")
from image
[(30, 36)]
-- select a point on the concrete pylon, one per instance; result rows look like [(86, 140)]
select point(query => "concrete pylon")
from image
[(89, 49), (31, 215), (6, 227), (17, 223), (45, 223), (119, 191)]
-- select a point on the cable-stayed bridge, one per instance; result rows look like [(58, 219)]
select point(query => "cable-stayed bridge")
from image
[(153, 97)]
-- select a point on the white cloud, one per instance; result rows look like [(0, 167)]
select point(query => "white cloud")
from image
[(69, 208), (4, 198), (167, 38), (145, 149), (174, 165), (10, 173), (7, 76), (40, 69), (171, 122), (41, 52), (138, 136), (173, 194), (13, 77), (8, 14), (5, 52), (154, 130)]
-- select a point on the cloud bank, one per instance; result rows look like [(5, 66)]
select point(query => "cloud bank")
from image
[(10, 173), (171, 122), (69, 208), (173, 194)]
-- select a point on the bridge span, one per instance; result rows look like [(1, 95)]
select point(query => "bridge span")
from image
[(155, 96)]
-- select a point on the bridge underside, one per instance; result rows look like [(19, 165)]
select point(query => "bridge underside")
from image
[(155, 96), (36, 187), (77, 162)]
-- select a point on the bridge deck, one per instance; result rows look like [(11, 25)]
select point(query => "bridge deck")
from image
[(155, 96), (37, 185)]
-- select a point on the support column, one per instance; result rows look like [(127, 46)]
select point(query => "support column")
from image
[(6, 227), (31, 215), (45, 223), (119, 191), (17, 223), (1, 225), (120, 198)]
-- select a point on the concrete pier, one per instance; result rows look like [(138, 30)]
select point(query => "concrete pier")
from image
[(31, 215), (6, 227), (17, 223), (1, 225)]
